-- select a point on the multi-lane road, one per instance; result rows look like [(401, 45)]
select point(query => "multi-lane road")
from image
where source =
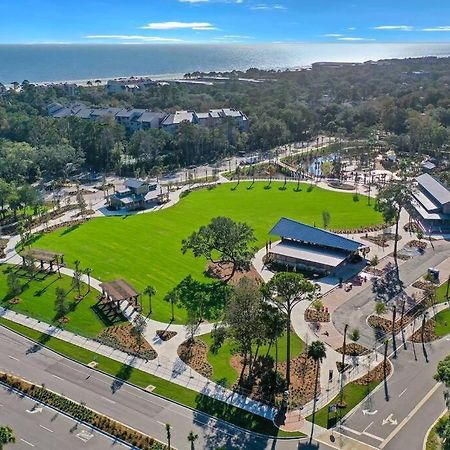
[(38, 427)]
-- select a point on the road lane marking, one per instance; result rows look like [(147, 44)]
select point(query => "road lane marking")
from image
[(59, 378), (26, 442), (161, 423), (34, 410), (401, 393), (377, 438), (368, 426), (351, 430), (411, 414), (45, 428), (12, 357), (109, 400)]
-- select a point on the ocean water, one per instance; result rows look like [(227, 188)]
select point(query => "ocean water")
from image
[(40, 63)]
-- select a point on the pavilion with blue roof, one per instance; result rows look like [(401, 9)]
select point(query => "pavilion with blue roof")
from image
[(312, 249)]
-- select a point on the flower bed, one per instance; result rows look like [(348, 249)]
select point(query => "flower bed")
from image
[(313, 315), (166, 335), (121, 337), (352, 349), (418, 244), (424, 285), (194, 354), (361, 230), (83, 414), (381, 239), (378, 373), (374, 271), (428, 333)]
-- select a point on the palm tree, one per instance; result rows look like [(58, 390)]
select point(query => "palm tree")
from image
[(88, 272), (150, 291), (192, 437), (172, 298), (169, 435), (317, 352), (6, 436), (380, 308)]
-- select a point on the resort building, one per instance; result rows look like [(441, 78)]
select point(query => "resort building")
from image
[(138, 194), (311, 249), (135, 119), (431, 205)]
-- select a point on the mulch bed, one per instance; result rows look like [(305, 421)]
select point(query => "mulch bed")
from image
[(121, 337), (302, 380), (374, 271), (195, 354), (352, 349), (312, 315), (386, 325), (166, 335), (428, 333), (424, 285), (400, 256), (381, 239), (341, 368), (417, 244), (376, 374), (223, 273), (370, 229)]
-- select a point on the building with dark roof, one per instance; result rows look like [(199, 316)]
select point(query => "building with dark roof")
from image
[(431, 205), (311, 249), (139, 194)]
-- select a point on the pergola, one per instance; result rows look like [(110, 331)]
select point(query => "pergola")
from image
[(43, 256), (114, 293)]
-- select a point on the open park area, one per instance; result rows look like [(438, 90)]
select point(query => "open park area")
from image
[(145, 249)]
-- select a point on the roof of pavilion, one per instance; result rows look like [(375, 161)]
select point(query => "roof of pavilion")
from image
[(119, 290)]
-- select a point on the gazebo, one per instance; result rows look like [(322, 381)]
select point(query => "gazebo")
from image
[(114, 293), (43, 256)]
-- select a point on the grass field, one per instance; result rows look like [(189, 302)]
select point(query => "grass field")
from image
[(163, 388), (224, 373), (442, 327), (145, 249), (37, 300)]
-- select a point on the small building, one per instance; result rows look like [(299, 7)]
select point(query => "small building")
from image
[(173, 121), (428, 166), (431, 205), (139, 194), (311, 249)]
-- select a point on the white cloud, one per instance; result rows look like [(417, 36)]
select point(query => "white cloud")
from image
[(354, 39), (442, 28), (131, 37), (193, 1), (199, 26), (332, 35), (394, 27), (265, 7)]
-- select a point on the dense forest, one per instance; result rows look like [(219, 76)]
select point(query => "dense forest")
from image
[(406, 101)]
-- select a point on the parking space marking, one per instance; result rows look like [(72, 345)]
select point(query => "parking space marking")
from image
[(26, 442), (45, 428)]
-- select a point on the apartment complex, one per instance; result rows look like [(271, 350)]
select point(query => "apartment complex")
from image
[(143, 119)]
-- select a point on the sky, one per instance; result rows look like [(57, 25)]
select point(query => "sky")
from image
[(223, 21)]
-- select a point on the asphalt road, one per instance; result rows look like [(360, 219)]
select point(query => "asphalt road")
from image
[(399, 413), (37, 427), (355, 311)]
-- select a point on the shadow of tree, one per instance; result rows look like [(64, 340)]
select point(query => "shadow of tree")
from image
[(41, 342), (226, 436), (122, 376)]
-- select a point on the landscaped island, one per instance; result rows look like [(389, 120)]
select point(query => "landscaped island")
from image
[(145, 249)]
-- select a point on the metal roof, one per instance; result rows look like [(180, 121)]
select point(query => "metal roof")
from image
[(310, 253), (133, 183), (434, 188), (297, 231)]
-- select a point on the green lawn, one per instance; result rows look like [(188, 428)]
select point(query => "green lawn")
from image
[(145, 249), (224, 373), (353, 395), (442, 327), (163, 388), (441, 293), (38, 300), (434, 442)]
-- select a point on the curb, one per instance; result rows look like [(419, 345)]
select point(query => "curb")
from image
[(427, 434)]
